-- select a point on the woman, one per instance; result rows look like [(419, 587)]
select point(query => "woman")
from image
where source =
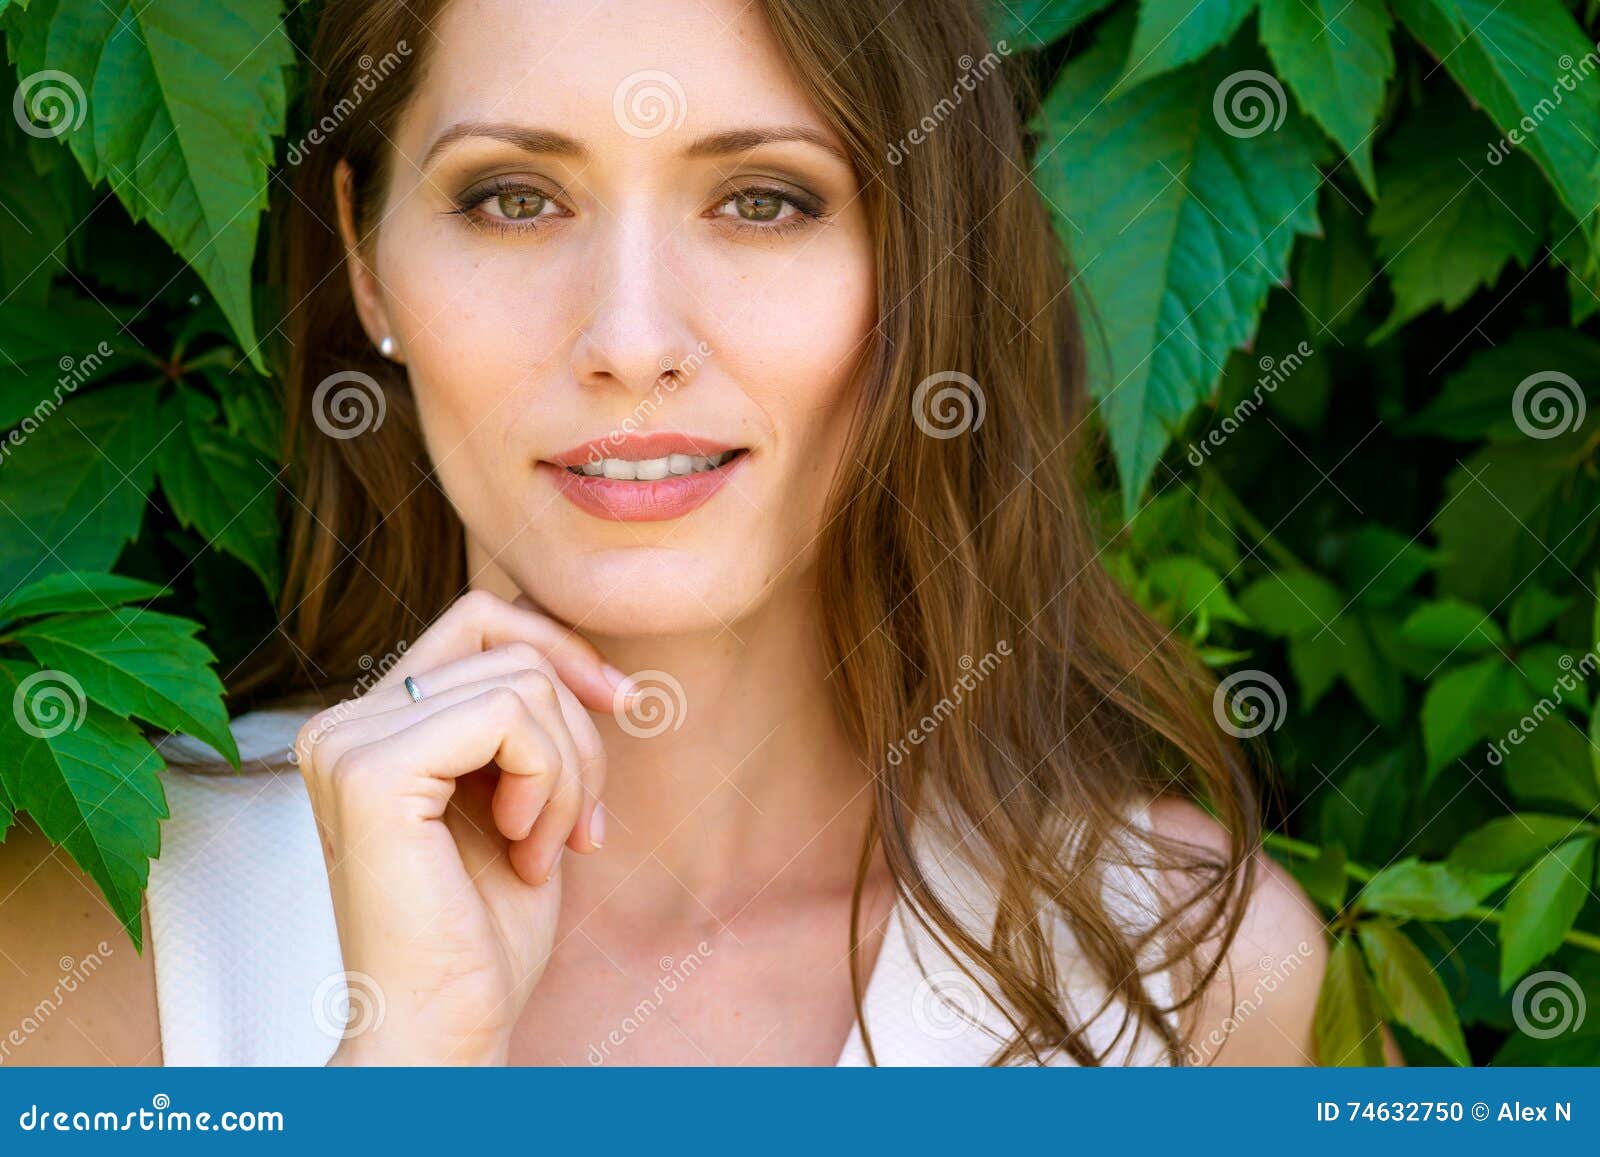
[(676, 359)]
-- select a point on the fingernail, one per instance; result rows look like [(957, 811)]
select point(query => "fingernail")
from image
[(597, 825), (613, 676), (553, 863)]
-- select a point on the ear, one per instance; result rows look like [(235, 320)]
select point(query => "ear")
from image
[(364, 286)]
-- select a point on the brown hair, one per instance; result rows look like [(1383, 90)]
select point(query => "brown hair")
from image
[(957, 546)]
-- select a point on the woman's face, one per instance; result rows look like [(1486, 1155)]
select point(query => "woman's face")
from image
[(619, 239)]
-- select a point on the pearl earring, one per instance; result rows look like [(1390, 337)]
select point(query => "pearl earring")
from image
[(386, 346)]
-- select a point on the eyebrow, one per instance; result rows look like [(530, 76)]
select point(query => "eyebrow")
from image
[(531, 139), (743, 140), (525, 137)]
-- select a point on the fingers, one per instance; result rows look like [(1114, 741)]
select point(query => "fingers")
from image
[(537, 813), (413, 767), (586, 835), (479, 621)]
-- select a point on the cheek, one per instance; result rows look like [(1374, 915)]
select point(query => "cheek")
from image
[(478, 337), (793, 337)]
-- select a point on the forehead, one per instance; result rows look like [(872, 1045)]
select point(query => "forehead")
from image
[(608, 72)]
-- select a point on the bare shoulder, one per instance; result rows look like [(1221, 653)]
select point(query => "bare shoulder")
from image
[(74, 990), (1261, 1006)]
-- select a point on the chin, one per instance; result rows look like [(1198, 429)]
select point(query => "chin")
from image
[(630, 592)]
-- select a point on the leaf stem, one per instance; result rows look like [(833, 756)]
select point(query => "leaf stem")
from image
[(1241, 514), (1306, 851)]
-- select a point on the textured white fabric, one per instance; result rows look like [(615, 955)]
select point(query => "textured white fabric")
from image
[(248, 968)]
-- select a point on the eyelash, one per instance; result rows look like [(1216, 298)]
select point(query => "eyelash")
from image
[(807, 209)]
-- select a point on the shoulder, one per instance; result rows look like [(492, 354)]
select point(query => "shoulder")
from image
[(75, 991), (1260, 1007)]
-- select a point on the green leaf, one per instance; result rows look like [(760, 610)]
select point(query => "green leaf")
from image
[(8, 810), (1172, 33), (1292, 603), (1573, 253), (220, 486), (1381, 565), (1512, 842), (139, 663), (1316, 661), (1333, 272), (1477, 401), (74, 591), (184, 100), (1551, 670), (1512, 513), (1447, 224), (254, 414), (1453, 626), (1534, 609), (1336, 58), (1374, 679), (72, 495), (88, 779), (1414, 890), (1412, 990), (1455, 709), (1193, 590), (1037, 23), (1348, 1025), (1547, 760), (1324, 878), (1541, 906), (36, 215), (1178, 226), (1504, 56), (48, 352)]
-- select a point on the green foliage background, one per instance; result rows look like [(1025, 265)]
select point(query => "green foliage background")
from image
[(1344, 358)]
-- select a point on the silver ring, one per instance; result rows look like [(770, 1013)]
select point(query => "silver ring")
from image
[(413, 690)]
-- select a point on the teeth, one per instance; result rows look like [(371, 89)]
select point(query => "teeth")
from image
[(651, 469)]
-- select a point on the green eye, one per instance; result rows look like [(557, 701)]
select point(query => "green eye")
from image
[(758, 206), (519, 206)]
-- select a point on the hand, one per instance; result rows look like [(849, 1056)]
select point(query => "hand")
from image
[(450, 911)]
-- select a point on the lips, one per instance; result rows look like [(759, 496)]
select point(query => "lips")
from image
[(653, 497), (637, 447)]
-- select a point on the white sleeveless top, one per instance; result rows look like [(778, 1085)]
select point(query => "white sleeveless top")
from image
[(246, 951)]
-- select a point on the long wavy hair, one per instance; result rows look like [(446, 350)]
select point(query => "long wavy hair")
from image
[(956, 546)]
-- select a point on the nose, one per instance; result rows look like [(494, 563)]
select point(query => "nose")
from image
[(637, 329)]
